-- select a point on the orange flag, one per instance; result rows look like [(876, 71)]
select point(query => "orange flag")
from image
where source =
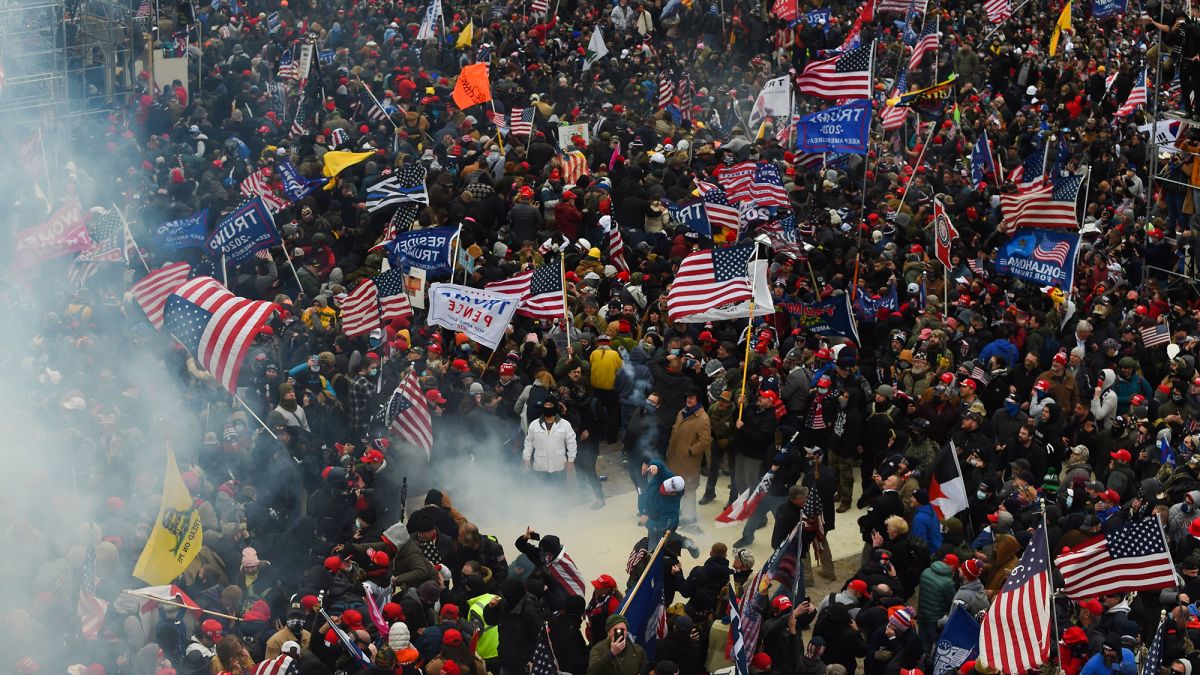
[(472, 87)]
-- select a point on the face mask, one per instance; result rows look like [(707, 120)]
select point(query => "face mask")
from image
[(1012, 408), (981, 495), (315, 368), (1070, 500), (675, 352), (358, 523), (373, 372), (295, 625)]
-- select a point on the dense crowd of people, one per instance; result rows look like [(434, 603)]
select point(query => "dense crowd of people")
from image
[(1056, 409)]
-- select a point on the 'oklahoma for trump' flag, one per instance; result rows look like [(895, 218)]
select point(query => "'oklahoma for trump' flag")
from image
[(176, 537)]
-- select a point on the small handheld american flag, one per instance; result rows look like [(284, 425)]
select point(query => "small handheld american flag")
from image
[(1156, 336)]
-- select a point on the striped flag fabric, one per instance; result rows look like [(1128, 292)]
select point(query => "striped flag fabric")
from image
[(1134, 557), (403, 219), (766, 189), (407, 184), (574, 165), (1031, 173), (892, 117), (998, 11), (280, 665), (737, 180), (520, 121), (368, 106), (539, 7), (666, 89), (685, 89), (1156, 336), (300, 121), (288, 69), (145, 10), (564, 570), (928, 43), (540, 290), (1048, 206), (719, 211), (91, 609), (901, 6), (1052, 252), (1015, 635), (616, 248), (844, 76), (375, 301), (1154, 655), (258, 184), (152, 291), (408, 413), (737, 641), (216, 326), (743, 507), (543, 661), (710, 279), (1137, 97)]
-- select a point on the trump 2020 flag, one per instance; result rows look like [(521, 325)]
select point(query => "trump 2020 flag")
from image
[(827, 317), (244, 232), (958, 643), (176, 537), (1102, 9), (842, 128), (295, 185), (644, 609), (183, 233), (424, 249)]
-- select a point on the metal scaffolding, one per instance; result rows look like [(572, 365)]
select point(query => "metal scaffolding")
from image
[(63, 58)]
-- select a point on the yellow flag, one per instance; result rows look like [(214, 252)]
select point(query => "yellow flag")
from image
[(466, 37), (177, 535), (337, 160), (1064, 23)]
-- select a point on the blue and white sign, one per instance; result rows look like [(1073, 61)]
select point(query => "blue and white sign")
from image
[(428, 250), (183, 233), (842, 128), (249, 229), (1043, 257), (1103, 9)]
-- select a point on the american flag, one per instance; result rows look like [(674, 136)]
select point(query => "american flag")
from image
[(288, 70), (368, 106), (783, 233), (258, 184), (300, 121), (979, 375), (543, 661), (737, 641), (1048, 206), (145, 10), (845, 76), (574, 165), (710, 279), (404, 217), (976, 267), (767, 188), (1154, 655), (927, 43), (406, 185), (892, 117), (686, 91), (1015, 636), (616, 248), (901, 6), (539, 7), (1052, 252), (666, 89), (564, 570), (409, 414), (808, 161), (375, 301), (743, 507), (1030, 173), (152, 291), (540, 290), (1157, 335), (998, 11), (280, 665), (520, 121), (1132, 558), (1137, 97), (216, 326), (91, 609), (737, 180)]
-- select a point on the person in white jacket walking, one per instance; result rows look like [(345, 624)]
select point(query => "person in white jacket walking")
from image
[(550, 444)]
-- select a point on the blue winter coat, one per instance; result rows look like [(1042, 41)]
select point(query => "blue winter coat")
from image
[(925, 525), (662, 510)]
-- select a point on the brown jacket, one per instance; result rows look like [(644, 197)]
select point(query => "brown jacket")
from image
[(691, 437)]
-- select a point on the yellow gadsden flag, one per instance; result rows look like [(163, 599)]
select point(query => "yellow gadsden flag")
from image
[(1064, 23), (177, 535), (472, 87), (337, 160), (466, 37)]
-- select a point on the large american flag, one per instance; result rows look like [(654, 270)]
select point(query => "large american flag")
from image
[(574, 165), (288, 69), (216, 326), (520, 121), (901, 6), (1015, 635), (845, 76), (543, 662), (998, 11), (1157, 335), (767, 187), (616, 248), (375, 301), (710, 279), (926, 44), (666, 89), (409, 414), (892, 117), (540, 290), (91, 609), (258, 184), (1137, 97), (1132, 558), (1031, 173), (152, 291), (719, 211), (737, 180), (1048, 206)]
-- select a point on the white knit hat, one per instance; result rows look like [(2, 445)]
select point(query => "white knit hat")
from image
[(399, 637)]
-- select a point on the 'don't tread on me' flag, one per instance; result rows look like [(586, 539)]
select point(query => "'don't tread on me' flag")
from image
[(176, 537)]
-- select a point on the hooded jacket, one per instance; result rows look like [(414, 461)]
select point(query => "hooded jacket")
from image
[(1104, 406), (937, 594), (409, 566)]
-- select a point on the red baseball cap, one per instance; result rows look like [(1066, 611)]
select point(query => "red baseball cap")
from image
[(435, 396), (604, 581), (1121, 455)]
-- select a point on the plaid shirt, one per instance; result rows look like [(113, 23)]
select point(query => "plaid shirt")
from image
[(361, 389)]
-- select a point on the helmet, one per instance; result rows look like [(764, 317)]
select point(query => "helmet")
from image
[(919, 424), (594, 253)]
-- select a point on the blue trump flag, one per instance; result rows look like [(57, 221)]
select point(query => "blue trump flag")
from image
[(828, 317), (841, 128), (183, 233), (1103, 9), (958, 644), (866, 307), (295, 185), (983, 165), (692, 214), (241, 234), (424, 249), (1043, 257), (644, 609)]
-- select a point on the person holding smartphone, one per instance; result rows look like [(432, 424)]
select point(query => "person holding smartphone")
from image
[(617, 654)]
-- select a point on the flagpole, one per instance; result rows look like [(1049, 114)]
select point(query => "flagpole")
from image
[(499, 138), (862, 209), (921, 156), (255, 416), (645, 570), (562, 280), (454, 254), (287, 255), (46, 165), (1087, 184), (997, 26), (172, 603), (378, 104), (746, 365), (224, 272), (128, 233)]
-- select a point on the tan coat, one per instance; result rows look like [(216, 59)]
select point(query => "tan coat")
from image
[(690, 439)]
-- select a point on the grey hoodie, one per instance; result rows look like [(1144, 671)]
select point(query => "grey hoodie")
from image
[(1181, 515), (1104, 406)]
